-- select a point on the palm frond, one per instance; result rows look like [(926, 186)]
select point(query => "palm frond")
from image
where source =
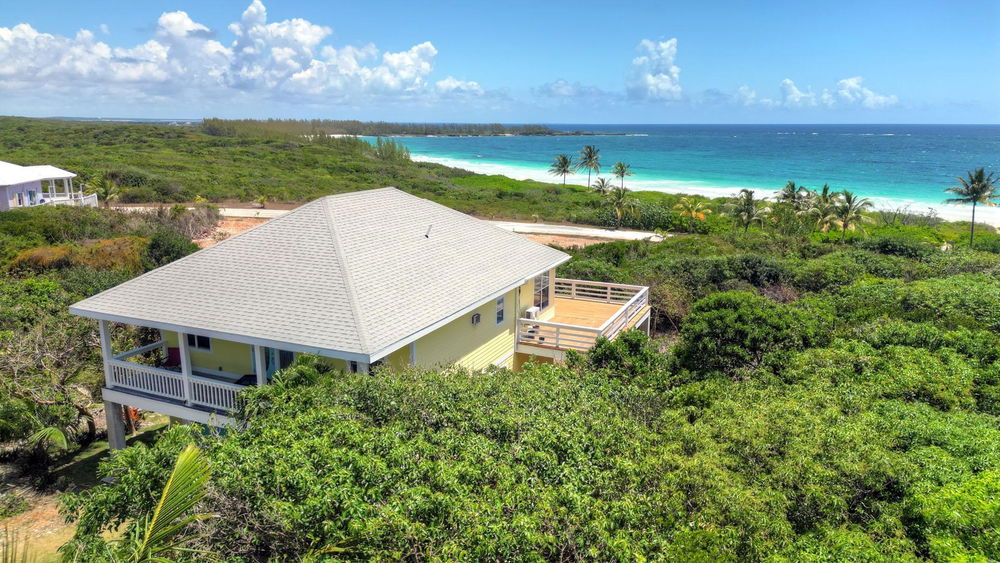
[(49, 435), (185, 488)]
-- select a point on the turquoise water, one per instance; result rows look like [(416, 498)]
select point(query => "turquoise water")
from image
[(897, 163)]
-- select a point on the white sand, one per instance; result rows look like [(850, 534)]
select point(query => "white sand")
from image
[(988, 215)]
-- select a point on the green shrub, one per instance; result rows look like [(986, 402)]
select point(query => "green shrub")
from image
[(165, 246), (961, 521), (733, 333)]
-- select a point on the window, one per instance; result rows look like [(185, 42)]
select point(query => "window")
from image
[(542, 291), (199, 342), (500, 310), (32, 197), (20, 199)]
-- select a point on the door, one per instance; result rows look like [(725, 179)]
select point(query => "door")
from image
[(276, 359)]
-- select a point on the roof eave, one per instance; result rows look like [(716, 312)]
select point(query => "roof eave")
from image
[(242, 338)]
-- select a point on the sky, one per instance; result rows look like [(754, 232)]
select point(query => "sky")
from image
[(551, 61)]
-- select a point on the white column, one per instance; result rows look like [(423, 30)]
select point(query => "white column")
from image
[(260, 365), (185, 366), (363, 367), (52, 189), (106, 354), (165, 350), (116, 425), (413, 353)]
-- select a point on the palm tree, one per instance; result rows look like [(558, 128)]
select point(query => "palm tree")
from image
[(620, 170), (620, 201), (693, 209), (798, 196), (747, 210), (848, 213), (590, 158), (977, 188), (603, 186), (822, 205), (106, 189), (561, 166), (167, 530)]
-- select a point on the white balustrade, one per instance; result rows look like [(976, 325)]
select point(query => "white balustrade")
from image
[(155, 381), (633, 299), (212, 393)]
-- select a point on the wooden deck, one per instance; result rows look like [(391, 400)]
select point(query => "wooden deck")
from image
[(583, 313)]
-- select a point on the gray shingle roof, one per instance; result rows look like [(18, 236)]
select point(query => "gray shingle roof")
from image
[(352, 273)]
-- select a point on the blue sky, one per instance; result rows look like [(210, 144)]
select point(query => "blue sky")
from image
[(554, 62)]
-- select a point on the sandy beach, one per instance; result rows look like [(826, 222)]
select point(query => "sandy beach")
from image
[(987, 215)]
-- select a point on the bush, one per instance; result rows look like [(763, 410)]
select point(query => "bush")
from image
[(733, 333), (594, 270), (165, 246), (961, 521), (632, 354)]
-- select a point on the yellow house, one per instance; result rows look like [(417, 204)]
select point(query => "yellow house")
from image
[(363, 279)]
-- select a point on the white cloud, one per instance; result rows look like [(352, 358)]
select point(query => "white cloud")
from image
[(653, 75), (104, 29), (851, 91), (184, 57), (451, 86), (792, 97)]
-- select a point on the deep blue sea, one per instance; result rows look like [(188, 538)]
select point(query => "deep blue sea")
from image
[(893, 164)]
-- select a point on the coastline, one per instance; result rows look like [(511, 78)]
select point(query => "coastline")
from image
[(984, 215)]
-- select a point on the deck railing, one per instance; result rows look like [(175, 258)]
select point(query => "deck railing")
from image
[(214, 394), (601, 292), (155, 381), (170, 385), (76, 199), (634, 298)]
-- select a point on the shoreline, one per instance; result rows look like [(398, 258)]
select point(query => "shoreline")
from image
[(984, 215)]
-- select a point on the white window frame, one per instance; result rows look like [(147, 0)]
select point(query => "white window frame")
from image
[(194, 345), (501, 310)]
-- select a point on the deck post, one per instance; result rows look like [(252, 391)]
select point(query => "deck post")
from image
[(260, 366), (116, 425), (185, 366), (106, 354)]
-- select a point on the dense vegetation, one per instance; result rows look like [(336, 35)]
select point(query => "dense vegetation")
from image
[(816, 391), (176, 163), (323, 127), (817, 401), (50, 372)]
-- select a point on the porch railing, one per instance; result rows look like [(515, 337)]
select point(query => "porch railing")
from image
[(215, 394), (170, 385), (633, 299), (556, 335), (595, 291), (155, 381)]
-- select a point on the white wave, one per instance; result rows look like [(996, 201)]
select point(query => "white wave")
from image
[(990, 216)]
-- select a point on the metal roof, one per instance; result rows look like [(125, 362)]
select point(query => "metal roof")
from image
[(12, 174), (358, 273)]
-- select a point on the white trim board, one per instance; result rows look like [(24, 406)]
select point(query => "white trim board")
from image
[(162, 407), (287, 346)]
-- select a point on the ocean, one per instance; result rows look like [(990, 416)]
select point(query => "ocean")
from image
[(894, 165)]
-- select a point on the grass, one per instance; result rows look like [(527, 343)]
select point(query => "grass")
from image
[(166, 163), (41, 527)]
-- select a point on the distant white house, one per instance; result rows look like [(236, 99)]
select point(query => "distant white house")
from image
[(28, 186)]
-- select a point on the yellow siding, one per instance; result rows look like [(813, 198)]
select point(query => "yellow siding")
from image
[(471, 346), (231, 357), (399, 359)]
